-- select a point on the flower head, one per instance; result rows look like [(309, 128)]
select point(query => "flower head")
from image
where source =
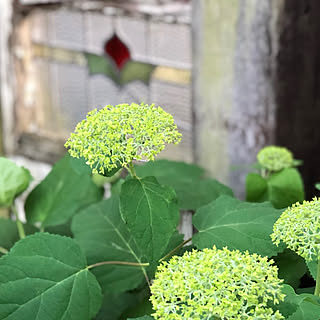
[(275, 158), (216, 284), (116, 135), (299, 228)]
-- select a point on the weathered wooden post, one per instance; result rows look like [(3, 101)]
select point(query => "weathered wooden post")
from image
[(297, 85), (234, 104), (6, 74), (256, 81)]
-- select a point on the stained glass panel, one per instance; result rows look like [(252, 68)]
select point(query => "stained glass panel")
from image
[(73, 74)]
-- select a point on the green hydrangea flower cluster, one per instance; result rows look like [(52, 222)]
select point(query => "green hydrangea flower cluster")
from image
[(116, 135), (216, 284), (299, 228), (275, 158)]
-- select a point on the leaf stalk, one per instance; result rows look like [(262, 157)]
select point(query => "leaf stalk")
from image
[(131, 170), (20, 228), (173, 251), (3, 250), (124, 263), (317, 289)]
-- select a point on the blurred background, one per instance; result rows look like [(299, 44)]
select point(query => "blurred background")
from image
[(237, 75)]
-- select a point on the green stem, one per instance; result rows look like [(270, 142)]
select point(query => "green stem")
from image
[(173, 251), (317, 290), (123, 263), (18, 222), (146, 276), (3, 250), (265, 173), (131, 170)]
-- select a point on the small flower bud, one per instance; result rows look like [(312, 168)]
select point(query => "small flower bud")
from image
[(275, 158)]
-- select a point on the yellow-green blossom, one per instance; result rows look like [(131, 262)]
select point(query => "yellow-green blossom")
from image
[(275, 158), (299, 228), (216, 284), (116, 135)]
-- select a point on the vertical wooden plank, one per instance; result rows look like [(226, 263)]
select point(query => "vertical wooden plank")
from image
[(6, 76), (234, 107), (1, 141), (185, 226), (214, 40)]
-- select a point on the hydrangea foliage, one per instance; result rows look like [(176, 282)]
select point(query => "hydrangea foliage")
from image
[(116, 135), (216, 284), (299, 228), (275, 158)]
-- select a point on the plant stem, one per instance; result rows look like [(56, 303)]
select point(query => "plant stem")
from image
[(3, 250), (317, 290), (124, 263), (146, 277), (175, 249), (18, 222), (131, 170), (265, 173)]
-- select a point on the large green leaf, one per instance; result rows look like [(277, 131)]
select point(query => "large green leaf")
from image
[(103, 236), (142, 308), (282, 188), (256, 188), (299, 307), (121, 306), (306, 290), (115, 306), (308, 309), (142, 318), (116, 187), (9, 233), (186, 179), (175, 241), (291, 267), (13, 181), (67, 189), (285, 188), (79, 165), (151, 213), (290, 303), (313, 266), (237, 225), (199, 193), (61, 229), (45, 276), (168, 171)]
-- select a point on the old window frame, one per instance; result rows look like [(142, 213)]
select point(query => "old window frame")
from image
[(12, 14)]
